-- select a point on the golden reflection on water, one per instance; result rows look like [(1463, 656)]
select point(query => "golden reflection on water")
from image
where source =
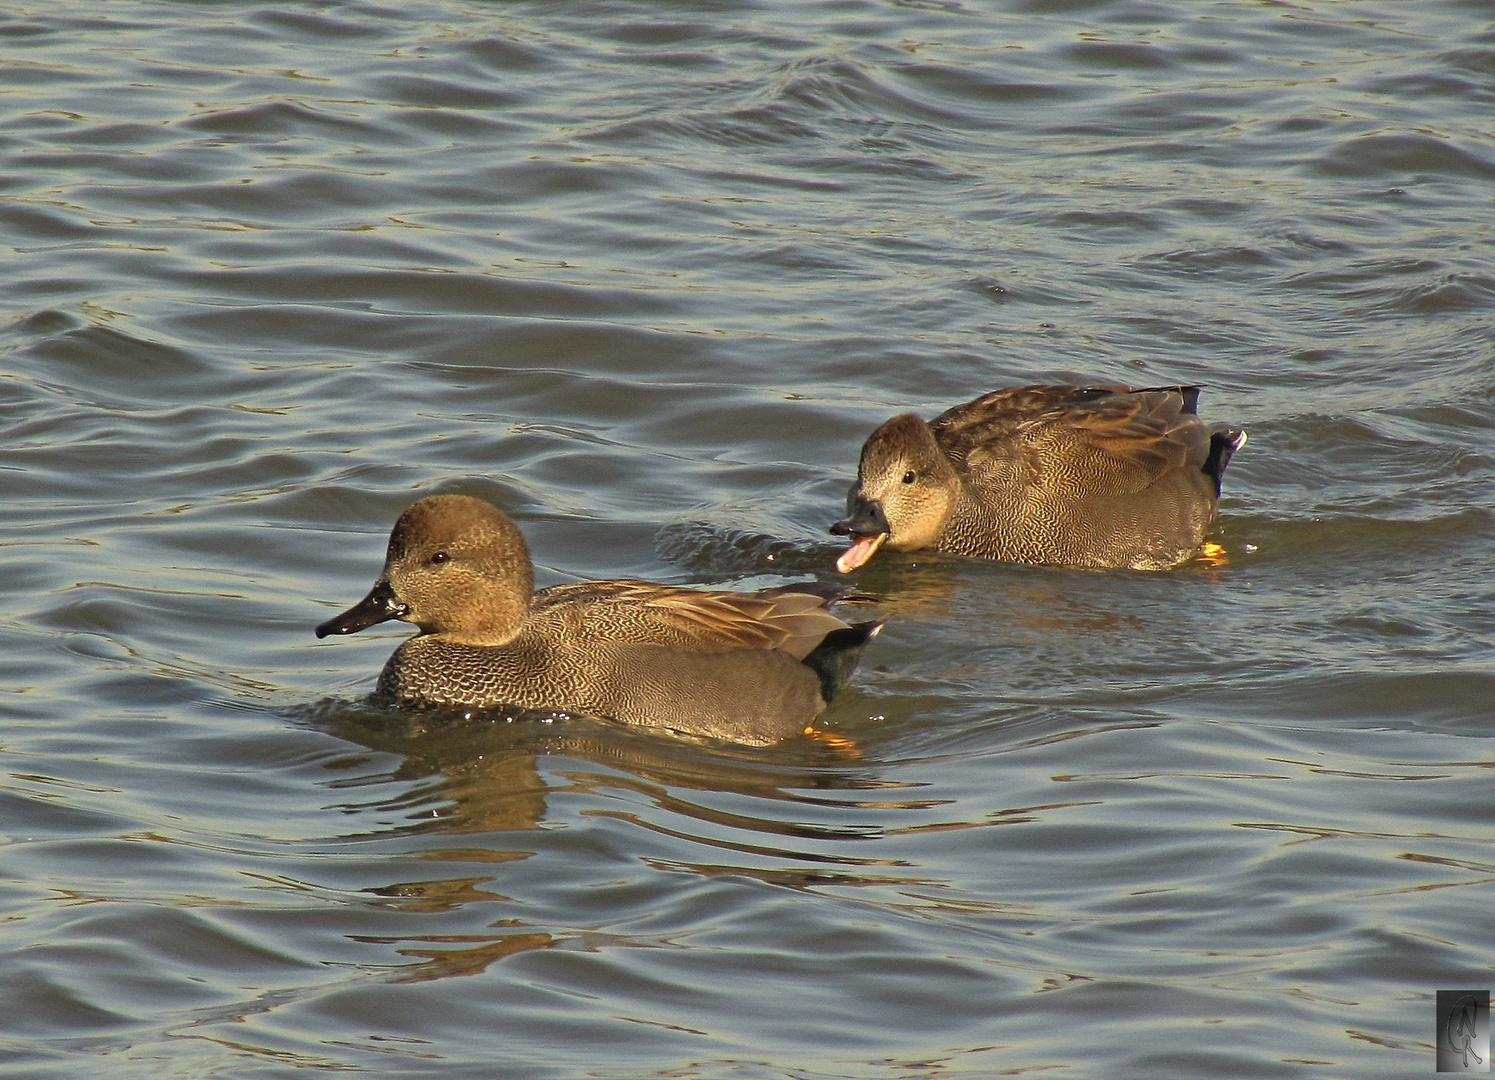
[(442, 963), (940, 587)]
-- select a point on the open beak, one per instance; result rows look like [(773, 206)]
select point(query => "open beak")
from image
[(381, 603), (867, 526)]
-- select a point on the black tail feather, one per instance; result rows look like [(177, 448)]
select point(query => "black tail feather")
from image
[(1222, 445), (837, 656)]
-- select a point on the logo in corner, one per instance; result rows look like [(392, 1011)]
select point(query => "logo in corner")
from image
[(1463, 1031)]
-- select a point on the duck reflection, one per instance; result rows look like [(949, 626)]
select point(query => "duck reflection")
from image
[(925, 587), (798, 815), (484, 774)]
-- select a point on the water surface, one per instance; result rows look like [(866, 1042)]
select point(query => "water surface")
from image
[(646, 275)]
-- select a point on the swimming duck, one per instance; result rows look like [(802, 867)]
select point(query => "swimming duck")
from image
[(1098, 476), (750, 667)]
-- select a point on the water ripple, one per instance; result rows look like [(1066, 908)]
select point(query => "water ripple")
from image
[(648, 278)]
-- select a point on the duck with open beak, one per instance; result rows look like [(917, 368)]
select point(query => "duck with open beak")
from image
[(867, 525), (1100, 476)]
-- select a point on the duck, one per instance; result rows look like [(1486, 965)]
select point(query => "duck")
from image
[(1102, 476), (749, 667)]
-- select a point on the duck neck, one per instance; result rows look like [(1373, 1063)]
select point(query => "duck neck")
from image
[(969, 519), (494, 614)]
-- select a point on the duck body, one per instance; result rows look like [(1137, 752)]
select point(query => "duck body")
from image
[(750, 667), (1102, 476)]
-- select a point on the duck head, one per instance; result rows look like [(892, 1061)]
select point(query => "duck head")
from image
[(456, 566), (904, 493)]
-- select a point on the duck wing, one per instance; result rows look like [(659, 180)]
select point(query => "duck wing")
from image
[(700, 620), (1118, 438)]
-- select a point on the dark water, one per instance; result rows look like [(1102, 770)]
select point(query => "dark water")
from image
[(646, 274)]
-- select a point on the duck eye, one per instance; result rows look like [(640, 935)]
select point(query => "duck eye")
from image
[(909, 477), (439, 558)]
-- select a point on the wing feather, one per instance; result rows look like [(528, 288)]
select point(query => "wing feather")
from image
[(1117, 437), (700, 619)]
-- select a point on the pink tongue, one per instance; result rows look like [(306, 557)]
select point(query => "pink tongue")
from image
[(861, 550)]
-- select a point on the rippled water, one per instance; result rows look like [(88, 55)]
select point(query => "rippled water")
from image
[(647, 274)]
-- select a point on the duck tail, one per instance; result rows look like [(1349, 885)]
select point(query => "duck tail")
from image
[(838, 654), (1222, 445), (1189, 394)]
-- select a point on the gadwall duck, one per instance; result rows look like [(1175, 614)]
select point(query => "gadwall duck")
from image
[(750, 667), (1097, 476)]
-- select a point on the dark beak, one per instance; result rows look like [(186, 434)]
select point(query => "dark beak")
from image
[(381, 603), (866, 518)]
